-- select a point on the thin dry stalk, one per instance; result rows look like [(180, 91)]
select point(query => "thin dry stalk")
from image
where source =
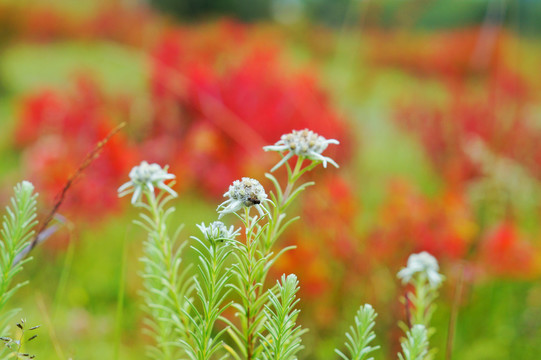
[(59, 198)]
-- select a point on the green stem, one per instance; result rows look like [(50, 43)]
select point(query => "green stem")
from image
[(209, 305), (292, 179), (157, 240), (162, 242), (420, 296), (250, 291), (424, 296), (280, 208)]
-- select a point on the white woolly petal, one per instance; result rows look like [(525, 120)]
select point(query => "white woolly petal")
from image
[(136, 194), (233, 206), (124, 186), (259, 210), (318, 157), (275, 147), (434, 278), (168, 189), (422, 263), (405, 275), (333, 162), (283, 161), (224, 204)]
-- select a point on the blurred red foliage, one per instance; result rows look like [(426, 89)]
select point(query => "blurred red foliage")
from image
[(504, 252), (331, 259), (221, 94), (218, 92), (410, 222), (485, 99), (56, 131), (499, 117), (217, 97)]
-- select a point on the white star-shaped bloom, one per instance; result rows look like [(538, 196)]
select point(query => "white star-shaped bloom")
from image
[(422, 263), (218, 232), (242, 194), (146, 176), (304, 143)]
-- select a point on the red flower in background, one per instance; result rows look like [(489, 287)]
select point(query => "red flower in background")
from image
[(218, 94), (217, 98), (235, 92), (410, 222), (503, 252), (327, 247), (444, 226), (493, 109), (57, 131), (499, 118)]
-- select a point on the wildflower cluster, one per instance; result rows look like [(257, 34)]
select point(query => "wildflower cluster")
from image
[(176, 320), (56, 127), (186, 307)]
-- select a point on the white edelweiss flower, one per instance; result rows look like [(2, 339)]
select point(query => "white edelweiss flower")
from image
[(422, 263), (243, 193), (302, 143), (27, 186), (146, 176), (218, 232)]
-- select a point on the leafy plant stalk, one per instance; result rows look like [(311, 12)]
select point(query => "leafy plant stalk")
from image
[(255, 258), (415, 346), (212, 292), (283, 340), (17, 232), (166, 284), (360, 335)]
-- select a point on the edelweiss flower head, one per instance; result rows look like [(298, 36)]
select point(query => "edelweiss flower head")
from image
[(303, 143), (422, 263), (218, 232), (243, 193), (146, 176)]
